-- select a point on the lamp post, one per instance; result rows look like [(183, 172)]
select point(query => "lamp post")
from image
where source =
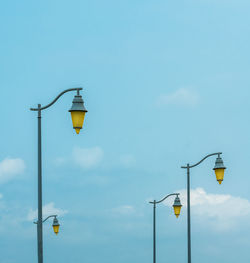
[(177, 209), (77, 114), (219, 169)]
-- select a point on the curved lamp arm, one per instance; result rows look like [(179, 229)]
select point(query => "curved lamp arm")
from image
[(191, 166), (157, 202), (50, 104), (47, 218)]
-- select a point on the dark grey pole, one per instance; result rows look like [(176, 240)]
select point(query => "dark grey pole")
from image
[(154, 235), (188, 214), (40, 215), (188, 199), (154, 222)]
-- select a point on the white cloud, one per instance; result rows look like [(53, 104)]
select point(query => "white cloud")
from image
[(88, 157), (48, 209), (181, 97), (222, 211), (127, 160), (9, 168)]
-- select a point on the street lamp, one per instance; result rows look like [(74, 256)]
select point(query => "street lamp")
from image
[(219, 169), (177, 209), (55, 224), (77, 113), (177, 206)]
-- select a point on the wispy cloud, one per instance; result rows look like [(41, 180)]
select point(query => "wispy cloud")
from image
[(87, 157), (181, 97), (9, 168), (222, 211), (48, 209)]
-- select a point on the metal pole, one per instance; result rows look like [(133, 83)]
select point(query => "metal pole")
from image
[(154, 234), (188, 214), (188, 199), (40, 214)]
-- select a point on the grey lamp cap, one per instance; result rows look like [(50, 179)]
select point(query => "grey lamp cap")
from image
[(78, 104), (177, 201), (55, 222), (219, 164)]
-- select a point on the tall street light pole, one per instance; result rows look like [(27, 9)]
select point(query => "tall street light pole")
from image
[(77, 113), (177, 209), (219, 169)]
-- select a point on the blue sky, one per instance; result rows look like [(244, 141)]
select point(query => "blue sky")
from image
[(165, 83)]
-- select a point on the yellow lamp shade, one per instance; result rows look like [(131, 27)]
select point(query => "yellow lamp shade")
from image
[(56, 228), (177, 206), (219, 174), (77, 120), (177, 210)]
